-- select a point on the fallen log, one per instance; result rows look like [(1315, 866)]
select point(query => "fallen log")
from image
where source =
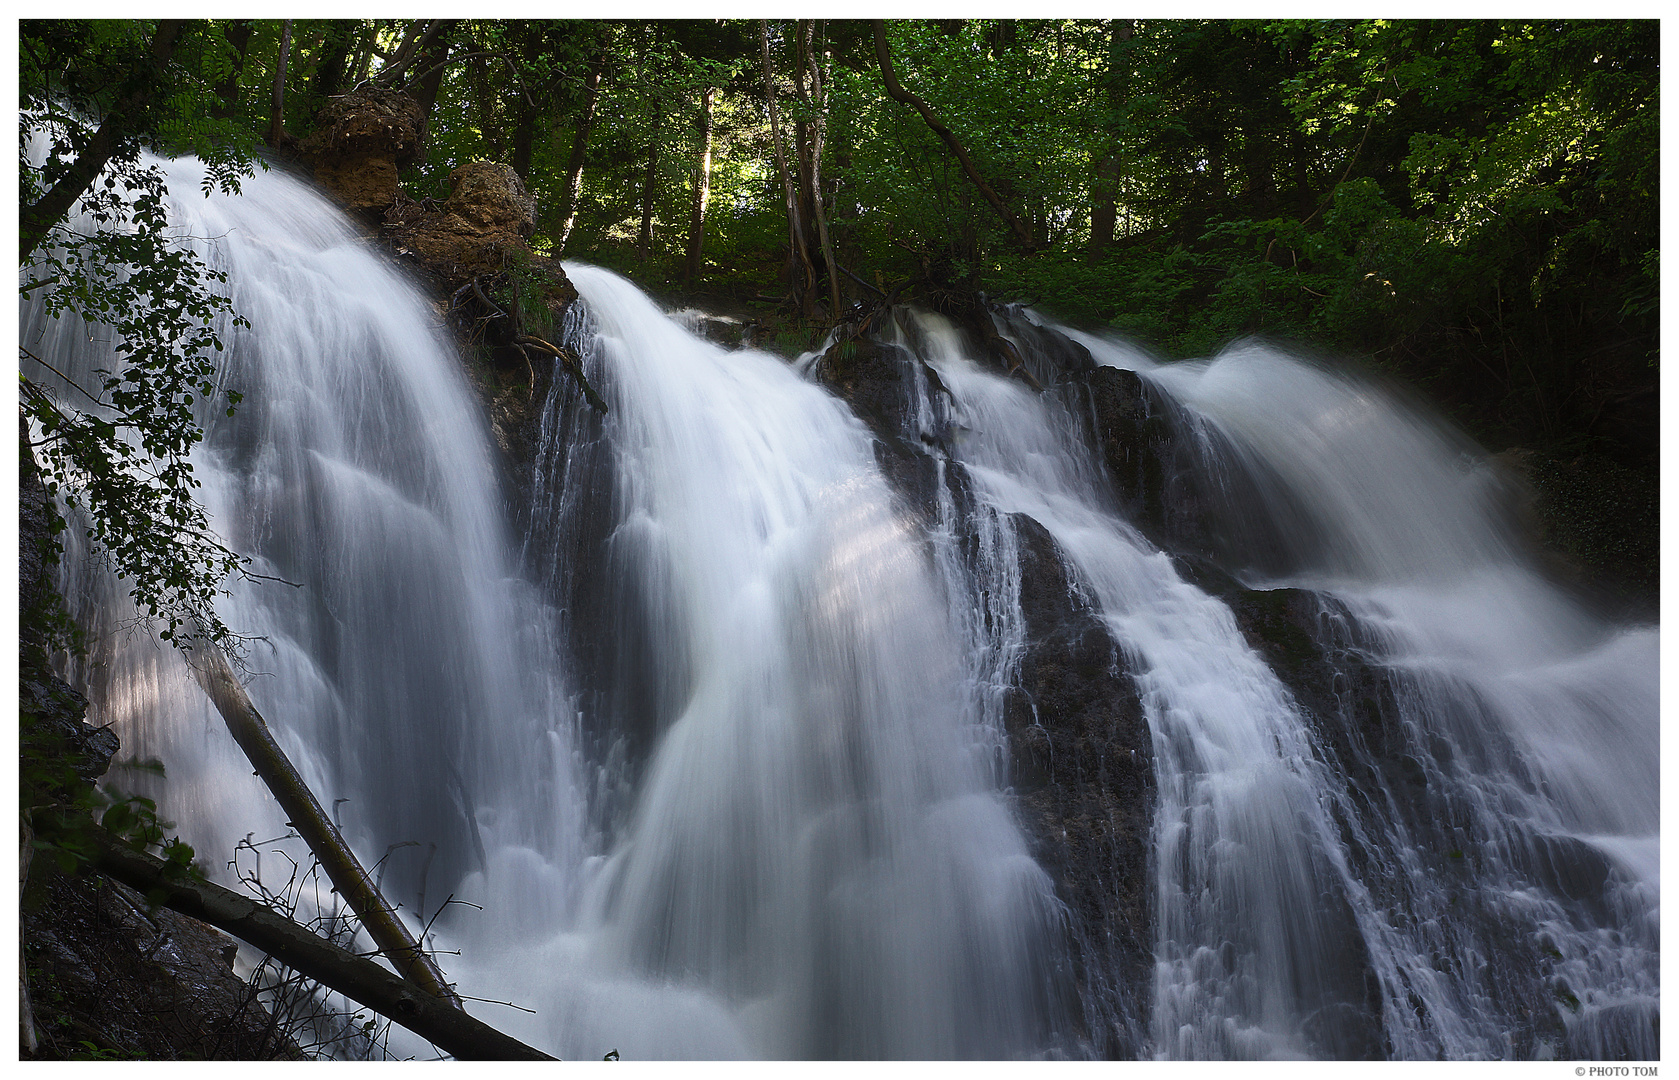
[(304, 813), (433, 1018)]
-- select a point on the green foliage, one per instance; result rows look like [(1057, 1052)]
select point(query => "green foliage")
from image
[(65, 810), (117, 451)]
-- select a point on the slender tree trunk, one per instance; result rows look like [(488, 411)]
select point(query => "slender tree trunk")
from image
[(1022, 234), (1104, 206), (419, 53), (277, 108), (304, 813), (431, 56), (524, 136), (579, 147), (399, 59), (329, 73), (803, 275), (817, 104), (649, 188), (702, 194), (364, 56), (51, 207), (238, 35)]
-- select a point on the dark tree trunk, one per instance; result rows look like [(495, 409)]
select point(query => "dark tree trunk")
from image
[(883, 53), (239, 37), (1104, 203), (801, 274), (579, 147), (816, 104), (335, 56), (364, 55), (649, 189), (277, 104), (524, 134), (702, 194), (428, 69), (51, 207), (356, 977)]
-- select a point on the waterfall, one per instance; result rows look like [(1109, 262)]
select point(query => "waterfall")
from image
[(723, 756), (1500, 898), (1530, 724), (812, 837), (410, 677)]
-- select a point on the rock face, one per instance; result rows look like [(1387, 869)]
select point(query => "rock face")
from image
[(112, 978), (1079, 761), (363, 138), (1083, 775), (479, 231)]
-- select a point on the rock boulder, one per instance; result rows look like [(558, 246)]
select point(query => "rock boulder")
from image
[(363, 138)]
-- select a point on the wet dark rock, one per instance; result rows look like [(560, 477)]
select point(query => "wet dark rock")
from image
[(724, 330), (112, 978), (874, 378), (1083, 780), (871, 377), (1133, 438), (1597, 523)]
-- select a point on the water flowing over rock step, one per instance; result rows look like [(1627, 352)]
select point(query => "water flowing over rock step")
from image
[(1353, 693)]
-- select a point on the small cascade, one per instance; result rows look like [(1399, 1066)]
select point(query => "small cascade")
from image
[(1256, 947), (1517, 861), (409, 673), (812, 841)]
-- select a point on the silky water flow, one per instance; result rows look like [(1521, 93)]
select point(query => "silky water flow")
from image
[(716, 762), (1500, 899)]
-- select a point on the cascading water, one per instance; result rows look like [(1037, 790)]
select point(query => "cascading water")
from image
[(409, 678), (730, 776), (813, 839), (1508, 907), (1530, 724)]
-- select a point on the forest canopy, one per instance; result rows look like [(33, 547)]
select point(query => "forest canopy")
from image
[(1471, 205)]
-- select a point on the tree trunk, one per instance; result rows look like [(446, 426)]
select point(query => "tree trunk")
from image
[(801, 273), (51, 207), (399, 59), (238, 36), (702, 194), (524, 135), (418, 54), (579, 147), (1022, 235), (335, 55), (358, 978), (364, 56), (305, 815), (433, 56), (817, 104), (277, 108), (649, 188), (1104, 190)]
